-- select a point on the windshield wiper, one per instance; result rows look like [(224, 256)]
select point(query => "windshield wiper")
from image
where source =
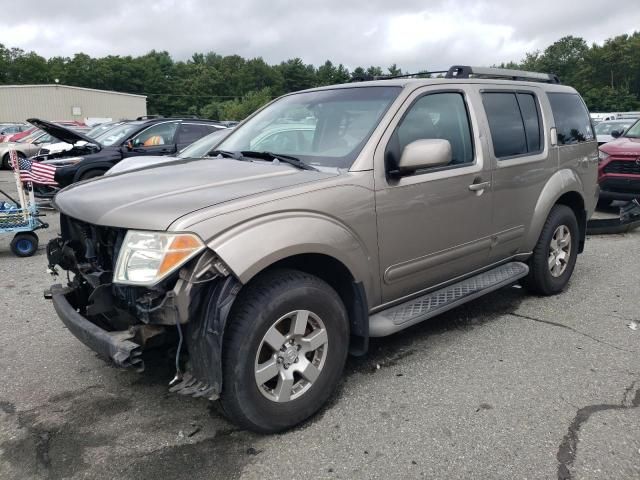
[(226, 154), (296, 162)]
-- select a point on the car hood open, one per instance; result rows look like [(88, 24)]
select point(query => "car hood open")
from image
[(61, 133), (154, 197)]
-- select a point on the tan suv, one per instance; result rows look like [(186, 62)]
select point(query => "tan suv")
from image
[(386, 203)]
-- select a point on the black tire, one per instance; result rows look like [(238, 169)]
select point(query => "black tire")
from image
[(540, 279), (5, 160), (91, 174), (258, 308), (24, 244)]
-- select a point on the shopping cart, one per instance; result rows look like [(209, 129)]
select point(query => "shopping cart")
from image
[(21, 218)]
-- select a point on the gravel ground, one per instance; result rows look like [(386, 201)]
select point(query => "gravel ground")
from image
[(508, 386)]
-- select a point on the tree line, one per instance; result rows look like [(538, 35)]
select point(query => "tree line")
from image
[(231, 87)]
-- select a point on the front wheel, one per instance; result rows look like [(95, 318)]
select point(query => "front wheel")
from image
[(554, 256), (6, 160), (284, 350)]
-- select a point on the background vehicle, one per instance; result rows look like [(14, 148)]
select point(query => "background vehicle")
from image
[(619, 167), (199, 149), (412, 196), (607, 131), (92, 157), (9, 129), (19, 136), (26, 147)]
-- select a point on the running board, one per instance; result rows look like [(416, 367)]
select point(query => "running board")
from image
[(422, 308)]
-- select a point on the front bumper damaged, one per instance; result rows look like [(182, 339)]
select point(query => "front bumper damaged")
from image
[(116, 345)]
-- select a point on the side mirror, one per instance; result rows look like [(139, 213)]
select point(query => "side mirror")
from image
[(427, 153), (129, 144), (616, 133)]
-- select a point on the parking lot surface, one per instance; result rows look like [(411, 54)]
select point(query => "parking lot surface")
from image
[(508, 386)]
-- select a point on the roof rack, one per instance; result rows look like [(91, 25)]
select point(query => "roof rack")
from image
[(465, 71), (148, 117)]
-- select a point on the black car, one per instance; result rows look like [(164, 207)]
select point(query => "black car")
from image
[(92, 157)]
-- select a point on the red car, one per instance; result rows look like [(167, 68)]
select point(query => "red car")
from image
[(619, 166), (17, 136)]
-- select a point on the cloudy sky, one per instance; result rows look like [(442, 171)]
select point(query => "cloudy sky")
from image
[(415, 34)]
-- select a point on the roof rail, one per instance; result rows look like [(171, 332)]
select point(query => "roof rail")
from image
[(149, 117), (465, 71)]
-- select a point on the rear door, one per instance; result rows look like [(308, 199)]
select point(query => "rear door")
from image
[(189, 132), (521, 161), (433, 225)]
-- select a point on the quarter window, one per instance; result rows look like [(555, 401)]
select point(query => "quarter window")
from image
[(514, 122), (438, 115), (573, 123)]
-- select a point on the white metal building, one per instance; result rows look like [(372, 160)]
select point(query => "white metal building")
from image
[(63, 102)]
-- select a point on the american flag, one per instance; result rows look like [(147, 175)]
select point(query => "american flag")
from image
[(34, 172)]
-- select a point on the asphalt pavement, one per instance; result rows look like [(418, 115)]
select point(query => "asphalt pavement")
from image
[(508, 386)]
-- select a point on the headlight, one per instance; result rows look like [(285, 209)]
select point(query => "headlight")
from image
[(602, 156), (63, 162), (147, 257)]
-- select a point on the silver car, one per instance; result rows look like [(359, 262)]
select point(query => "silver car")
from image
[(394, 201)]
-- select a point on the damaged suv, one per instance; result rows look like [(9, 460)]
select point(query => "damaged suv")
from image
[(386, 203)]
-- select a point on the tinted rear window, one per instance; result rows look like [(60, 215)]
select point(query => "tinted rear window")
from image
[(505, 123), (531, 120), (571, 117)]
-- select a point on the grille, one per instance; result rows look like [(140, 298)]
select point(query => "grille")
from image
[(627, 167)]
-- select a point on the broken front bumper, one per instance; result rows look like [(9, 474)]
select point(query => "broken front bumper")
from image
[(116, 346)]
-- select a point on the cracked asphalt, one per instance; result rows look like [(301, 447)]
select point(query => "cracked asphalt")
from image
[(508, 386)]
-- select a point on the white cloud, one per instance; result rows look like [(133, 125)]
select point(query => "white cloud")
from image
[(412, 33)]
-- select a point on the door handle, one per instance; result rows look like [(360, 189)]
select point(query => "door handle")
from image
[(476, 187)]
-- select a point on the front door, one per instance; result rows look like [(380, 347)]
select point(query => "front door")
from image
[(159, 139), (435, 224)]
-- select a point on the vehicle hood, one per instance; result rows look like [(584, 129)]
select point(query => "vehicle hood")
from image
[(135, 163), (153, 198), (622, 146), (61, 133)]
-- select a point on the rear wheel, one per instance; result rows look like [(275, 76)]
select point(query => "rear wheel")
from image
[(6, 160), (554, 256), (285, 348), (24, 244)]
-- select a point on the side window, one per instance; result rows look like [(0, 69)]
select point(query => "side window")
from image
[(531, 119), (190, 132), (573, 123), (160, 134), (514, 123), (438, 115)]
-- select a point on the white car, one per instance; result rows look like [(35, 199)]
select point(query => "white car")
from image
[(606, 128)]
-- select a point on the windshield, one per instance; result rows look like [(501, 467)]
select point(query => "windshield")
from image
[(117, 134), (634, 131), (31, 137), (325, 128), (605, 128), (100, 129), (203, 146)]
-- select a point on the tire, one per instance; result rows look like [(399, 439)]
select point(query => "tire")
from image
[(5, 160), (279, 299), (24, 244), (91, 174), (544, 279)]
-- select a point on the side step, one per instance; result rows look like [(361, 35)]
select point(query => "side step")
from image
[(418, 309)]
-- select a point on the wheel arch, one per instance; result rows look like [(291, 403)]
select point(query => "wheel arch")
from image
[(563, 188)]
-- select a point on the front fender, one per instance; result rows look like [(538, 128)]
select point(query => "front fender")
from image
[(252, 246), (561, 182)]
